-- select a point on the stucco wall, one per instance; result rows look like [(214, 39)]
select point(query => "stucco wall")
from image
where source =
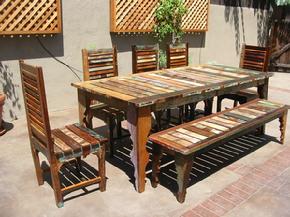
[(86, 25)]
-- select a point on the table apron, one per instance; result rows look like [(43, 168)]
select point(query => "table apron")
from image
[(182, 100)]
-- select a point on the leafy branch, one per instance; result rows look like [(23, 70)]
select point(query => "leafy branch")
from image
[(168, 19)]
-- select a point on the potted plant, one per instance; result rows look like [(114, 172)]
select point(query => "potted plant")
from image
[(2, 100), (168, 20)]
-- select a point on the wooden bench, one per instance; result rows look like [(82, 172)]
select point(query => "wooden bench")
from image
[(184, 141)]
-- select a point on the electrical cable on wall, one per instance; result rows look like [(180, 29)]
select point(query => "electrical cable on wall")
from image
[(72, 69)]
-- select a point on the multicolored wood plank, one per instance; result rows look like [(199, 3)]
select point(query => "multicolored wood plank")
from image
[(194, 135), (150, 87), (185, 140)]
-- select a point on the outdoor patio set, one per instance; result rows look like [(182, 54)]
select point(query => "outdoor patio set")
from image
[(149, 94)]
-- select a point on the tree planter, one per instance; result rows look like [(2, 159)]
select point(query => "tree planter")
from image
[(2, 100)]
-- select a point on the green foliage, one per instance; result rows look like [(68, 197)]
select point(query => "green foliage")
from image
[(282, 2), (162, 59), (168, 17)]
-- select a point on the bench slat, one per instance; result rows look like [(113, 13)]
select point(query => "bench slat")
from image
[(192, 136)]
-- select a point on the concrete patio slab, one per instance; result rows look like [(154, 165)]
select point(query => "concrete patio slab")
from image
[(251, 180)]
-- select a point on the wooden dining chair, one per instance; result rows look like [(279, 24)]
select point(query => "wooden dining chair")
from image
[(144, 58), (253, 58), (177, 56), (99, 64), (60, 146)]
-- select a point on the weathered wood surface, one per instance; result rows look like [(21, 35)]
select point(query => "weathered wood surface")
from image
[(138, 16), (185, 140), (100, 64), (141, 93), (177, 55), (192, 136), (149, 88), (30, 17), (144, 58), (59, 145)]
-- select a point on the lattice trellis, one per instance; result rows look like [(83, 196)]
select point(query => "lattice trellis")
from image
[(30, 17), (138, 16)]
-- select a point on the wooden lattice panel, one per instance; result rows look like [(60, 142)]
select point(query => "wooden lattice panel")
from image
[(196, 18), (138, 16), (30, 17)]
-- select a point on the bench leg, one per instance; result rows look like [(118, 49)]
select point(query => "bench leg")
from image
[(157, 154), (283, 121), (183, 165)]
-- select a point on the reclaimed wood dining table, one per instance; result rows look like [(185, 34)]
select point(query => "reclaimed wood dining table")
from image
[(140, 94)]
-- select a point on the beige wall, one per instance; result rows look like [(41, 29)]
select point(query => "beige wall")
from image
[(86, 25)]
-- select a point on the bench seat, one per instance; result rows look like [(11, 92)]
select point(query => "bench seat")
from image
[(185, 140)]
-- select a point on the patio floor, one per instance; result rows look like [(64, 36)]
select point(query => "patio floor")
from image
[(249, 176)]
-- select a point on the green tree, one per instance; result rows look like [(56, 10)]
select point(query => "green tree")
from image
[(168, 19)]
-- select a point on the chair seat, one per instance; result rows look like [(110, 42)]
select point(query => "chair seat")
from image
[(74, 141)]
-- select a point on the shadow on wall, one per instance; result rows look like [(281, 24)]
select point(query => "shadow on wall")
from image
[(29, 47), (15, 48), (124, 42), (10, 89), (263, 20), (234, 14)]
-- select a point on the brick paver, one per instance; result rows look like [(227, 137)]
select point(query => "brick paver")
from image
[(251, 181)]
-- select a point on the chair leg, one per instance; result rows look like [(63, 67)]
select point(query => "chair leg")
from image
[(187, 111), (79, 163), (54, 168), (111, 125), (219, 104), (181, 114), (158, 116), (38, 169), (102, 168), (157, 154), (119, 126), (208, 106), (283, 121), (192, 110), (183, 167), (168, 116), (235, 103)]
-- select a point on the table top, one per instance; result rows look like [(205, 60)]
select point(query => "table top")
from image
[(150, 87)]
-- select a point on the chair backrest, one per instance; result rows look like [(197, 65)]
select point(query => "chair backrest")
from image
[(100, 63), (144, 58), (177, 55), (36, 107), (255, 58)]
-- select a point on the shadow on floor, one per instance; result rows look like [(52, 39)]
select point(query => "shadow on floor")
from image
[(70, 175), (206, 163), (6, 126)]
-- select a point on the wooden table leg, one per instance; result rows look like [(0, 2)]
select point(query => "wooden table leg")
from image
[(84, 105), (139, 125), (263, 94)]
